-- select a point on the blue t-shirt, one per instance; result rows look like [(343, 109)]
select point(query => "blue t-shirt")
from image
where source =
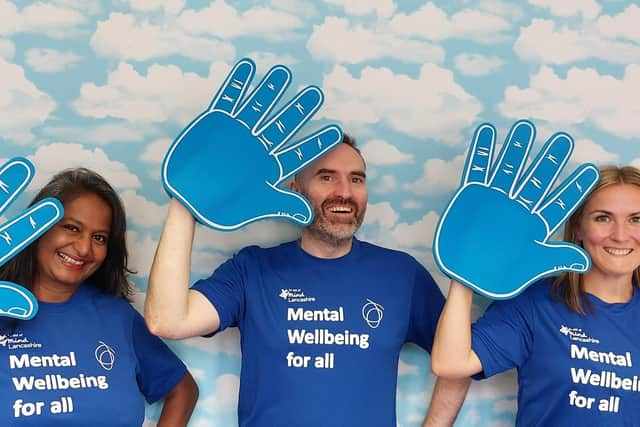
[(85, 362), (321, 338), (573, 370)]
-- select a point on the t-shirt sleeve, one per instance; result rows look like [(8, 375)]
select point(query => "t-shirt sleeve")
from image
[(426, 305), (158, 368), (502, 337), (225, 290)]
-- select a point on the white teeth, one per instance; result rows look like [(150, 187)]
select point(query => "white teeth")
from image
[(69, 260), (340, 209), (618, 252)]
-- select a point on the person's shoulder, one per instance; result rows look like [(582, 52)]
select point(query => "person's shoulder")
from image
[(105, 300), (255, 251)]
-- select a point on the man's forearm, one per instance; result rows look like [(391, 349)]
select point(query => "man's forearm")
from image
[(446, 400)]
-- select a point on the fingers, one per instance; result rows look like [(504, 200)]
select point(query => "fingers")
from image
[(299, 155), (512, 157), (16, 234), (565, 257), (566, 199), (15, 175), (544, 170), (289, 205), (290, 118), (17, 302), (480, 155), (264, 97), (234, 87)]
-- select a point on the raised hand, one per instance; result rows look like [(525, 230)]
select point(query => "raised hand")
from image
[(494, 235), (227, 164), (19, 232)]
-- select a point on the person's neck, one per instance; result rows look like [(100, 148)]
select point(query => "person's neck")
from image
[(52, 293), (610, 289), (320, 248)]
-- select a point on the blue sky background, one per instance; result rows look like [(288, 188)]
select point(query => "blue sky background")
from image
[(109, 84)]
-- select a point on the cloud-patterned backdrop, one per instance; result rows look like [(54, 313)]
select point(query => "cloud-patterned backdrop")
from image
[(109, 84)]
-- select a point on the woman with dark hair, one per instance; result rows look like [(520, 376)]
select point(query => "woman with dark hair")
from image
[(86, 358), (572, 338)]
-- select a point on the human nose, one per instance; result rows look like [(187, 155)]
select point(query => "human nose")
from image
[(83, 245), (343, 189), (619, 231)]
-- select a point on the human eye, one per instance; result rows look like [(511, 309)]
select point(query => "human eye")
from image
[(101, 238), (70, 227), (601, 218), (357, 180), (326, 178), (635, 219)]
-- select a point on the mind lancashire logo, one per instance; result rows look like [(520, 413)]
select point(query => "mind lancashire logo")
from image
[(372, 313), (105, 356), (577, 334), (295, 295), (17, 341)]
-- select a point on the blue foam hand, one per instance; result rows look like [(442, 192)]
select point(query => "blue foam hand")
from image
[(494, 235), (227, 165), (16, 234)]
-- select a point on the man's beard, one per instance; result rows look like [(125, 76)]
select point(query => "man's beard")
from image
[(335, 232)]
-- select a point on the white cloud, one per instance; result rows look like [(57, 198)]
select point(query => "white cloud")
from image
[(261, 233), (439, 176), (336, 40), (635, 163), (380, 152), (223, 20), (419, 233), (41, 18), (511, 11), (382, 8), (169, 6), (542, 42), (53, 158), (143, 212), (7, 49), (299, 8), (623, 25), (433, 23), (22, 105), (472, 64), (381, 213), (50, 60), (412, 106), (386, 184), (412, 204), (583, 96), (101, 134), (406, 369), (121, 36), (266, 60), (154, 152), (226, 394), (165, 93), (586, 8), (586, 150)]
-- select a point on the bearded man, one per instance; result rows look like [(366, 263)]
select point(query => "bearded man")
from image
[(322, 319)]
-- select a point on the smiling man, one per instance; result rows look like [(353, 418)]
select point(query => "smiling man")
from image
[(322, 319)]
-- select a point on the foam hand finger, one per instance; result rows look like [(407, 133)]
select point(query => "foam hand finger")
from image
[(20, 231), (264, 97), (512, 156), (544, 171), (297, 156), (480, 155), (566, 199), (15, 175), (290, 118), (235, 85), (17, 302)]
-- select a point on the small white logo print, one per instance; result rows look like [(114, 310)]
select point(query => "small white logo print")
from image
[(372, 313), (105, 356)]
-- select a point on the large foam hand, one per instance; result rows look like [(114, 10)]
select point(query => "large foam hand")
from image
[(494, 234), (227, 164), (17, 233)]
